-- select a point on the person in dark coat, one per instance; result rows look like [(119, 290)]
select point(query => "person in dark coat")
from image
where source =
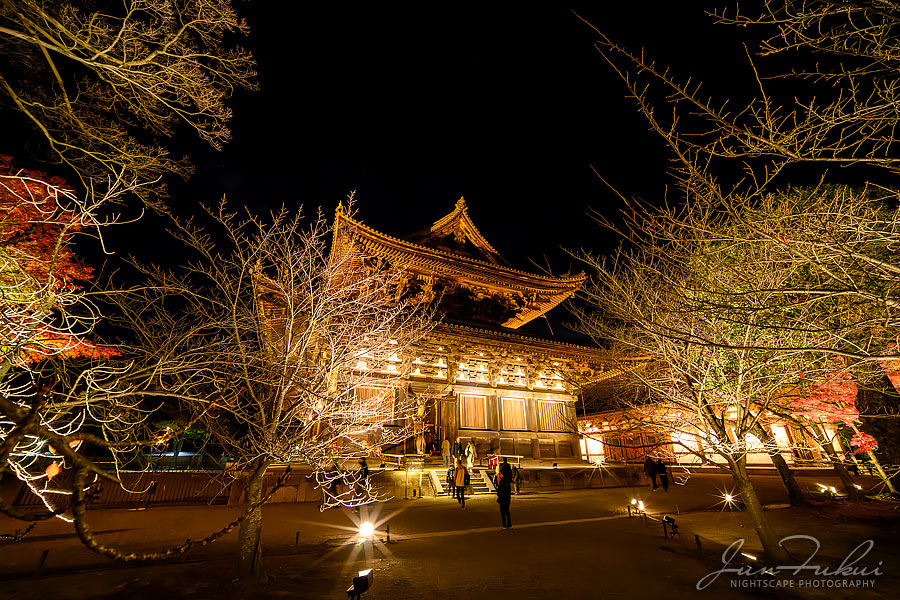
[(460, 481), (451, 487), (516, 478), (457, 449), (650, 471), (663, 475), (504, 493)]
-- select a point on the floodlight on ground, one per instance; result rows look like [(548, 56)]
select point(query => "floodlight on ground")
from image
[(640, 505), (733, 502), (361, 584), (669, 521), (833, 490), (634, 500), (366, 529)]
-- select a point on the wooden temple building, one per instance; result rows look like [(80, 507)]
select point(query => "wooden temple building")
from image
[(478, 376)]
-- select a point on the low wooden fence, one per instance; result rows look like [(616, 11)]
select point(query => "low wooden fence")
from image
[(147, 489)]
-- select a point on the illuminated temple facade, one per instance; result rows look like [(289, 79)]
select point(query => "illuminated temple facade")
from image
[(478, 377)]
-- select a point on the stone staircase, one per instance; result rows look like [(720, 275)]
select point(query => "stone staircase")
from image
[(480, 484)]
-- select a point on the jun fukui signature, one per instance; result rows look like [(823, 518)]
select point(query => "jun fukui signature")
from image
[(847, 568)]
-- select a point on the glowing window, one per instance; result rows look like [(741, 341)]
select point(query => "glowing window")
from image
[(512, 412), (553, 416), (472, 412), (373, 404)]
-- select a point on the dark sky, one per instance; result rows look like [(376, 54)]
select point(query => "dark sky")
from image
[(415, 106)]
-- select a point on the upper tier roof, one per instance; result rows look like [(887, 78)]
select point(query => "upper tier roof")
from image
[(457, 234), (453, 249)]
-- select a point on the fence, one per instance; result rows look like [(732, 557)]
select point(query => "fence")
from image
[(146, 489)]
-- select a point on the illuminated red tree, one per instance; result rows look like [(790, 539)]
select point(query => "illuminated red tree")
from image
[(43, 315), (39, 275), (833, 400)]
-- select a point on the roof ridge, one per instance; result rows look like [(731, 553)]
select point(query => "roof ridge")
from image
[(461, 211), (571, 278)]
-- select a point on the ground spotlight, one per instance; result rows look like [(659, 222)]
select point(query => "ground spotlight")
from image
[(366, 530), (361, 584), (732, 502)]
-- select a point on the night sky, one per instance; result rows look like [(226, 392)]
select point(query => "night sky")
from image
[(415, 106)]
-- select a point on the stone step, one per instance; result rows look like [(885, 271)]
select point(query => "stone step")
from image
[(476, 480)]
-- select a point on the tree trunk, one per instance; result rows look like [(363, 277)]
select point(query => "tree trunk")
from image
[(250, 534), (877, 464), (767, 536), (795, 492), (837, 463), (880, 399)]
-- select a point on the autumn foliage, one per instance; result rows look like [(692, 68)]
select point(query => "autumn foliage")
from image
[(39, 276), (832, 400), (36, 225)]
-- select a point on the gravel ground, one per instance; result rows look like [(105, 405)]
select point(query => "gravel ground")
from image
[(573, 543)]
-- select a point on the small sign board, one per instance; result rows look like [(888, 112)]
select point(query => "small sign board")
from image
[(413, 462)]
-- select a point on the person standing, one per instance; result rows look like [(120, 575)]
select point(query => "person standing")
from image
[(650, 471), (457, 449), (516, 478), (445, 452), (460, 481), (451, 480), (663, 475), (504, 493), (470, 454)]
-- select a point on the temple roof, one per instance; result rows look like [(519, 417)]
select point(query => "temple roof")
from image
[(453, 249), (457, 234)]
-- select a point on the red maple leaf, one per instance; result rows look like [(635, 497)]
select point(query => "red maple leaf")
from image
[(832, 400)]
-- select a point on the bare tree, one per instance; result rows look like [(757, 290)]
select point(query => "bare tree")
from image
[(718, 373), (103, 83), (829, 100), (45, 318), (284, 343), (60, 391)]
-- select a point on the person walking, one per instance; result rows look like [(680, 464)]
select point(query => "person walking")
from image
[(650, 471), (663, 475), (460, 480), (451, 478), (504, 493), (516, 478), (445, 452), (470, 455)]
